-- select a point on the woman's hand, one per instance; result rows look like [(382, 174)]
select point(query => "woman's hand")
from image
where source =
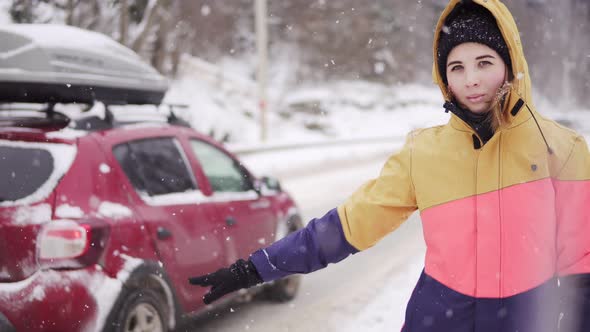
[(241, 274)]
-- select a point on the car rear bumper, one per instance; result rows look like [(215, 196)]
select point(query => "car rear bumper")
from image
[(58, 301)]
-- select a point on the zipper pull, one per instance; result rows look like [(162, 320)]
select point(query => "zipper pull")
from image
[(476, 142)]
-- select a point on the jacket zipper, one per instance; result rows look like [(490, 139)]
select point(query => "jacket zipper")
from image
[(500, 219), (477, 153)]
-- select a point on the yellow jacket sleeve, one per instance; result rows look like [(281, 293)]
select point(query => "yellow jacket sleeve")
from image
[(379, 206)]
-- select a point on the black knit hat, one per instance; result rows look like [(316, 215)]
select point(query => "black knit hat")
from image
[(470, 22)]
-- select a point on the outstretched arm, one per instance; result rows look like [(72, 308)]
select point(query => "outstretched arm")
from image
[(312, 248), (374, 210)]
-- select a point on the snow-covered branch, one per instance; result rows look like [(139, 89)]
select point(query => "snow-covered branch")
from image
[(143, 29)]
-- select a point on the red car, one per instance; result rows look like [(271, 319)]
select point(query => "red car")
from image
[(102, 223)]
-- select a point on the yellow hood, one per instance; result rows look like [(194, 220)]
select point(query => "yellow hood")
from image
[(521, 86)]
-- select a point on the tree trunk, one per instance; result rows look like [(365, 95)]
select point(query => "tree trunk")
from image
[(160, 49), (22, 11), (123, 22), (70, 12), (148, 21), (91, 22)]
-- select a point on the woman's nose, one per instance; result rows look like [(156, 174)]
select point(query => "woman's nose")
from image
[(471, 78)]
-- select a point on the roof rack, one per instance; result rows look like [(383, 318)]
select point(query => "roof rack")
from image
[(108, 119), (31, 118), (95, 116), (173, 119)]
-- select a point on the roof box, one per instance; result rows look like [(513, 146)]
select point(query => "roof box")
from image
[(43, 63)]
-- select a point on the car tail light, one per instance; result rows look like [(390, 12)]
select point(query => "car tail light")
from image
[(69, 244)]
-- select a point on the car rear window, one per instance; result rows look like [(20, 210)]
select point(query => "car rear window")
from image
[(30, 171), (155, 166), (23, 171)]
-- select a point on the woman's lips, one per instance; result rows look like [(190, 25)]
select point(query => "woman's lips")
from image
[(475, 98)]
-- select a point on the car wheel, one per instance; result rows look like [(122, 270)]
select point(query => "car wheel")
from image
[(142, 310), (283, 290)]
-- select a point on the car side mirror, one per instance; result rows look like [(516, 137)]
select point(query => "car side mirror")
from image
[(268, 183), (265, 184), (272, 183)]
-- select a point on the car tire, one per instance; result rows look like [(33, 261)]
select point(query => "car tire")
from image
[(284, 290), (141, 310)]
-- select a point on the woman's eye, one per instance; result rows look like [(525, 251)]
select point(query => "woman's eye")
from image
[(484, 63), (455, 68)]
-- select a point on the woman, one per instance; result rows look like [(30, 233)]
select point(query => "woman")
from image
[(503, 194)]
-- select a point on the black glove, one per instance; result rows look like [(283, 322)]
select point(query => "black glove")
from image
[(241, 274)]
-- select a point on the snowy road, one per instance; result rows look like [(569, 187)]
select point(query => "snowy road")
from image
[(367, 291)]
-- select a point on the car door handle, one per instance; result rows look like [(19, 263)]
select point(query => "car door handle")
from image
[(230, 221), (261, 204), (163, 233)]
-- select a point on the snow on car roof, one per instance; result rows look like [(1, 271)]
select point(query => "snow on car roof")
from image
[(67, 37)]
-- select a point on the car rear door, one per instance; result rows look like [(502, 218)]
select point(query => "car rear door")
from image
[(182, 224), (29, 172), (248, 216)]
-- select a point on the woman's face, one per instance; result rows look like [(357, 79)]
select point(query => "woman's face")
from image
[(475, 72)]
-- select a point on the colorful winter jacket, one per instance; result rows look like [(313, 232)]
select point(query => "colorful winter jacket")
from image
[(506, 223)]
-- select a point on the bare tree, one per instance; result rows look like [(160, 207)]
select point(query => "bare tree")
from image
[(21, 11), (143, 29), (123, 21), (71, 4)]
